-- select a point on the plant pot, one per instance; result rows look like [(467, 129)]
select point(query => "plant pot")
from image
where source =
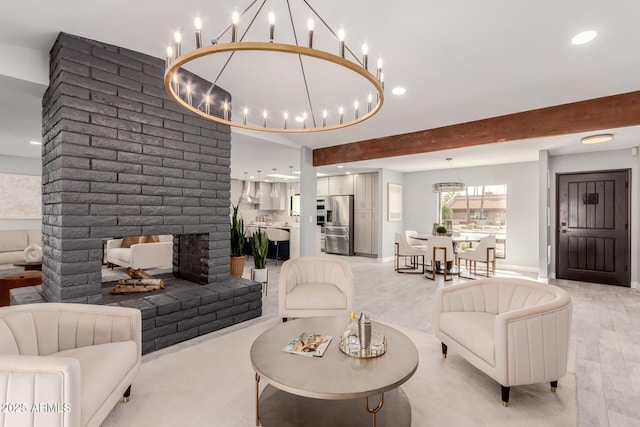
[(236, 264), (259, 275)]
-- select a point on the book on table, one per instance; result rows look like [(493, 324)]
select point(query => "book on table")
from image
[(307, 344)]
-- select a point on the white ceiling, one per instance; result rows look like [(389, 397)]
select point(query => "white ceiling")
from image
[(459, 61)]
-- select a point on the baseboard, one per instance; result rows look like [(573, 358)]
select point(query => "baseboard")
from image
[(387, 259), (635, 285), (518, 268)]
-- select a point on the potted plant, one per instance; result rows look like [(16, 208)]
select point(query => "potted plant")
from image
[(237, 243), (259, 247), (441, 230)]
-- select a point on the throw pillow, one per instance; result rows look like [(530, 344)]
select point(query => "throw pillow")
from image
[(129, 240), (149, 239)]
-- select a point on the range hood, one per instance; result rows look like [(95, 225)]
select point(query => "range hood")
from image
[(246, 194)]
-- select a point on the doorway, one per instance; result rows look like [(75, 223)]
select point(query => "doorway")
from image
[(592, 236)]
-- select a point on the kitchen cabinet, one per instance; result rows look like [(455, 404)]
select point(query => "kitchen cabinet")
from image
[(366, 214), (341, 185), (236, 191), (366, 190), (323, 186)]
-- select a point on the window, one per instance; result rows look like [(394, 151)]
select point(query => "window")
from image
[(477, 212)]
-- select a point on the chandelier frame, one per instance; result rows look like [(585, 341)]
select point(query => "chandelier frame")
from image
[(174, 64)]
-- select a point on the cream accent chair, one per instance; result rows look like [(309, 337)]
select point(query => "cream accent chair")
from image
[(404, 250), (315, 286), (78, 358), (141, 255), (440, 251), (484, 252), (415, 243), (514, 330)]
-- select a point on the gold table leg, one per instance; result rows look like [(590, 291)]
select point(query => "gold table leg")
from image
[(375, 410), (257, 400)]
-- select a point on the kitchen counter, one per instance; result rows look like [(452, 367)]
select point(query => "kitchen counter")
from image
[(294, 235)]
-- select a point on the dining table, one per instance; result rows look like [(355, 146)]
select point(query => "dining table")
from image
[(457, 241)]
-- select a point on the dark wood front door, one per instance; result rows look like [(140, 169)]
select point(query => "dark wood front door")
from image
[(593, 227)]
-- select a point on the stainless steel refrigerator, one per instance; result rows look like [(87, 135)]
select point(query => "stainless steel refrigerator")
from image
[(338, 226)]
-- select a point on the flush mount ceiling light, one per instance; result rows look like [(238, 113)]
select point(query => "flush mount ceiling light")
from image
[(449, 186), (584, 37), (315, 117), (399, 91), (35, 142), (597, 139)]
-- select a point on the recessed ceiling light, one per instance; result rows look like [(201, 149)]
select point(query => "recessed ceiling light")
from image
[(597, 139), (340, 166), (35, 142), (399, 91), (299, 119), (584, 37), (347, 173)]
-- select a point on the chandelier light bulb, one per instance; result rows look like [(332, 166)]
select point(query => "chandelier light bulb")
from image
[(356, 104), (341, 113), (264, 115), (177, 42), (169, 56), (245, 113), (207, 104), (176, 84), (225, 108), (324, 118), (197, 23), (189, 98), (272, 25), (310, 28), (365, 56), (304, 120), (341, 42), (369, 101), (235, 20), (286, 117)]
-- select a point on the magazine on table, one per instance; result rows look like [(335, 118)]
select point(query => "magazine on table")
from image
[(307, 344)]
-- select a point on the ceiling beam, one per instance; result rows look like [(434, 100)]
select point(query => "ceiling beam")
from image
[(595, 114)]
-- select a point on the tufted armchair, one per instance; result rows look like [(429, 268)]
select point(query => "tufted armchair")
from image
[(66, 365), (315, 286), (514, 330)]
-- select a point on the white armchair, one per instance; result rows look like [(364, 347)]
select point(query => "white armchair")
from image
[(315, 286), (141, 255), (79, 359), (514, 330)]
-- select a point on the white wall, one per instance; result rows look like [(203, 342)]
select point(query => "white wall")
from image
[(421, 211), (602, 160), (388, 229), (25, 166)]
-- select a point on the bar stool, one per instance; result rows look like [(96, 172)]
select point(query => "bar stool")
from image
[(277, 236)]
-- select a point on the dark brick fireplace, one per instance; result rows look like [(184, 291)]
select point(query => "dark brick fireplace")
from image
[(121, 159)]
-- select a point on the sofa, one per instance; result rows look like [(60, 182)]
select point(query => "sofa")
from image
[(315, 286), (153, 253), (514, 330), (64, 364), (14, 242)]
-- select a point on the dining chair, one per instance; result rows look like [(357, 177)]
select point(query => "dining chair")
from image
[(440, 252), (484, 252), (404, 249)]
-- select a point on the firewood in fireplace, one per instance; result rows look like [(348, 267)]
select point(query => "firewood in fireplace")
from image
[(137, 285), (138, 273)]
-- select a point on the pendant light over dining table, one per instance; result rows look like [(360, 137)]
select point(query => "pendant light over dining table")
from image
[(313, 110), (448, 186)]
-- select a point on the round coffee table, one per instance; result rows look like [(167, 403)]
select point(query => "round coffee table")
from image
[(308, 388)]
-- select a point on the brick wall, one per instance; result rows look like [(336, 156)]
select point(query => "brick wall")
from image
[(120, 158)]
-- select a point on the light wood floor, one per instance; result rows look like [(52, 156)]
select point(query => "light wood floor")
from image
[(605, 339)]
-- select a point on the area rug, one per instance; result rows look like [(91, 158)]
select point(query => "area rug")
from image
[(211, 383)]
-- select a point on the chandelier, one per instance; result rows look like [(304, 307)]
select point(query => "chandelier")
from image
[(309, 115), (450, 186)]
